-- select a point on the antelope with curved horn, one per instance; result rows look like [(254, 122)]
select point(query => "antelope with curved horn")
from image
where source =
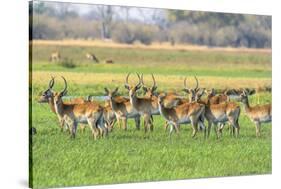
[(182, 114), (72, 114), (191, 91), (257, 114), (221, 113), (48, 97), (145, 106), (122, 108)]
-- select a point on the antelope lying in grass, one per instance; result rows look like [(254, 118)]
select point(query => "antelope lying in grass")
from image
[(144, 106), (92, 57), (257, 114), (122, 108), (221, 113), (72, 114), (181, 114), (109, 61), (48, 97), (55, 56)]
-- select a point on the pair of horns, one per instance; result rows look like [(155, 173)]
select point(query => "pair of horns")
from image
[(52, 82), (196, 87), (127, 82), (154, 82)]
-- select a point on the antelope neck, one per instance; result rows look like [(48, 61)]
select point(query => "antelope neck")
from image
[(246, 104), (112, 104), (51, 104), (59, 108)]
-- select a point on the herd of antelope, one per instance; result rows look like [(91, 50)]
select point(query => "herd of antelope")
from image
[(56, 57), (216, 109)]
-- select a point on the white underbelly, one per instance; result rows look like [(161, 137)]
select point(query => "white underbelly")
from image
[(221, 118), (82, 119), (265, 119), (184, 120)]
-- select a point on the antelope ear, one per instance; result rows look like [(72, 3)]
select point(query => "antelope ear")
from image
[(106, 91), (198, 89), (202, 92), (61, 94), (144, 89), (116, 90), (138, 87), (154, 88), (127, 87)]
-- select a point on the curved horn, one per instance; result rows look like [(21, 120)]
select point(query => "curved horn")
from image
[(196, 83), (51, 82), (142, 80), (154, 82), (184, 83), (127, 78), (65, 85), (138, 85)]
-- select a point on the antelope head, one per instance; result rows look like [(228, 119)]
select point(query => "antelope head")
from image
[(149, 91), (190, 91), (111, 94), (47, 94), (244, 96), (199, 94), (58, 95), (132, 88)]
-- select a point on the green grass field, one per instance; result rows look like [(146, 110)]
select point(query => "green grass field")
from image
[(133, 156)]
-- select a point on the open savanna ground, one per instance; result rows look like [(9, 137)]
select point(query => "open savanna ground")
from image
[(132, 156)]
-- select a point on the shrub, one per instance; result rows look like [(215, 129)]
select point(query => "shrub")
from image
[(67, 63)]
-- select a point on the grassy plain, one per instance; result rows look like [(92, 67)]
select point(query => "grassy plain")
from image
[(133, 156)]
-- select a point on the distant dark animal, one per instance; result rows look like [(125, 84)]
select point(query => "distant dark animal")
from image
[(109, 61)]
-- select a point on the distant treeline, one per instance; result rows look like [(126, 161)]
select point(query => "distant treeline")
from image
[(154, 25)]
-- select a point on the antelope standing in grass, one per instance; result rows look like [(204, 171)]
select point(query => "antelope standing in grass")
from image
[(181, 114), (48, 97), (257, 114), (122, 108), (55, 56), (92, 57), (108, 114), (72, 114), (221, 113), (145, 106)]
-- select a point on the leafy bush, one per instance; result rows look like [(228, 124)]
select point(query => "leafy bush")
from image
[(67, 63)]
